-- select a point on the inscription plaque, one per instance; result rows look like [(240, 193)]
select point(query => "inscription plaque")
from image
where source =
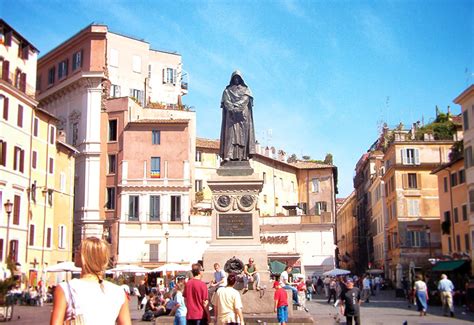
[(235, 225)]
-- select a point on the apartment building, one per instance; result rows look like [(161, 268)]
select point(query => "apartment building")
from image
[(34, 165), (75, 82), (18, 75), (466, 101), (346, 230), (412, 199)]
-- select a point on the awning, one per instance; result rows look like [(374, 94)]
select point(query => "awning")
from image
[(448, 265)]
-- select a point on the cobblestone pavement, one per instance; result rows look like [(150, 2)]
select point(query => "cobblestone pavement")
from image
[(382, 309)]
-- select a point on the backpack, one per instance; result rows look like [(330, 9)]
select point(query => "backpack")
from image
[(148, 316)]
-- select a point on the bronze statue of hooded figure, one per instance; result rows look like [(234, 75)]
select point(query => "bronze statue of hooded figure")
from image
[(237, 132)]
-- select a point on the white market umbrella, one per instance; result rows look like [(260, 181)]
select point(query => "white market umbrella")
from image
[(172, 267), (63, 267), (336, 272), (128, 269)]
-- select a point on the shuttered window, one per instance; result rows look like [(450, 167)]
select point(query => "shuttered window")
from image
[(5, 108), (3, 153), (19, 121), (48, 237), (16, 209), (35, 126)]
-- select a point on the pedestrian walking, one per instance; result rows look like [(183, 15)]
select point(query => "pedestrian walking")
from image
[(309, 288), (446, 288), (421, 294), (281, 303), (366, 289), (196, 298), (90, 299), (332, 290), (349, 303), (228, 304)]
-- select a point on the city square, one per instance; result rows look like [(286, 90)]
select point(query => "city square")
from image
[(232, 159)]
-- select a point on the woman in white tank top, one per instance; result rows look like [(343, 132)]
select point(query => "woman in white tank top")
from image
[(90, 300)]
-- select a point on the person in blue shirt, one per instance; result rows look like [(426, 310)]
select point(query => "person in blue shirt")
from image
[(446, 288), (180, 306)]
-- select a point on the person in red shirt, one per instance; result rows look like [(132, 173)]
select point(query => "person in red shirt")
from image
[(281, 303), (196, 298)]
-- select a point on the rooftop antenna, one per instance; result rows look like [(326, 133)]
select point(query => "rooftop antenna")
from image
[(469, 75), (387, 109)]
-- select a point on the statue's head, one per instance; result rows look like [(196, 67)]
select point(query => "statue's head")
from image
[(237, 79)]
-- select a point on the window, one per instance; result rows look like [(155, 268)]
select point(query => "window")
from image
[(52, 134), (265, 198), (5, 108), (19, 121), (77, 60), (175, 208), (51, 74), (75, 133), (468, 157), (315, 185), (445, 181), (114, 58), (49, 233), (51, 165), (112, 164), (133, 207), (462, 176), (16, 209), (137, 64), (110, 203), (33, 191), (394, 209), (62, 182), (465, 119), (62, 69), (115, 91), (62, 236), (138, 95), (154, 253), (198, 156), (34, 159), (198, 185), (276, 201), (320, 207), (416, 239), (412, 180), (155, 167), (19, 159), (456, 215), (112, 130), (466, 242), (471, 200), (464, 212), (149, 71), (1, 249), (169, 76), (50, 196), (458, 243), (3, 153), (154, 208), (454, 179), (31, 241), (264, 178), (410, 156), (413, 208), (35, 126), (13, 250), (155, 137)]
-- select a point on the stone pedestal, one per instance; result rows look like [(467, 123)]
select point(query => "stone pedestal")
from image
[(235, 226)]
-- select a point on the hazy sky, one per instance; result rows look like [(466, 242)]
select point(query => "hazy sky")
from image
[(324, 74)]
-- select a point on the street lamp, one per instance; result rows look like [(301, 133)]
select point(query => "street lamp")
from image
[(428, 231), (8, 209), (167, 236)]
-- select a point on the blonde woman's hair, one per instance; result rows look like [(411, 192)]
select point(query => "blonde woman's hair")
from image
[(95, 257)]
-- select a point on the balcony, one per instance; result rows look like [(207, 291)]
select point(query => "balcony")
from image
[(324, 219)]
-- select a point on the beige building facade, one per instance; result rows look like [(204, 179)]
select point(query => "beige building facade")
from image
[(466, 101), (346, 229)]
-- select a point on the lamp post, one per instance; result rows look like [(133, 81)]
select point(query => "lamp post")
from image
[(167, 236), (8, 209), (428, 231)]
